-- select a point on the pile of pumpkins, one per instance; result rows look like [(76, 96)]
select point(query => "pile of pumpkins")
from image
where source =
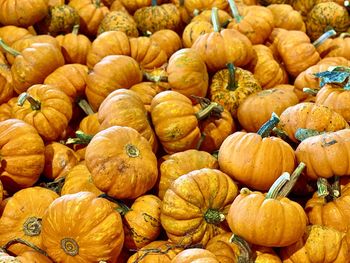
[(174, 131)]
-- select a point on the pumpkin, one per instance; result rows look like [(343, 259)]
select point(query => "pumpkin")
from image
[(187, 73), (284, 16), (318, 244), (25, 257), (205, 15), (10, 34), (328, 14), (56, 2), (6, 85), (267, 101), (197, 255), (111, 73), (255, 22), (22, 217), (78, 179), (91, 13), (335, 47), (69, 233), (267, 71), (193, 6), (270, 219), (194, 30), (221, 47), (264, 158), (71, 79), (115, 111), (128, 169), (309, 115), (154, 18), (22, 151), (116, 5), (182, 163), (132, 6), (6, 109), (164, 37), (60, 20), (108, 43), (22, 13), (147, 53), (156, 251), (231, 86), (195, 205), (40, 105), (118, 21), (74, 46)]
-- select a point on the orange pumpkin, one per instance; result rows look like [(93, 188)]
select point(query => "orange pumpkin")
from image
[(335, 47), (164, 37), (10, 34), (132, 6), (6, 84), (194, 30), (197, 255), (284, 16), (190, 6), (6, 109), (25, 257), (69, 234)]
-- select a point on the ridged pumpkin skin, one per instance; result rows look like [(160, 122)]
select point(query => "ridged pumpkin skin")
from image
[(115, 111), (32, 257), (308, 115), (126, 167), (201, 5), (6, 84), (22, 153), (111, 73), (255, 161), (10, 34), (266, 222), (206, 15), (69, 234), (334, 214), (195, 205), (6, 109), (132, 6), (335, 47), (22, 217), (267, 101), (22, 13), (196, 255), (319, 244), (164, 37), (182, 163), (194, 30), (284, 16), (328, 14), (118, 21), (174, 120), (187, 73)]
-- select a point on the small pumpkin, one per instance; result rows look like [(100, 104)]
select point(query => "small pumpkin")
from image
[(6, 84), (194, 30), (10, 34), (164, 37), (284, 16), (25, 257), (199, 255), (193, 6), (6, 109), (68, 233), (335, 47), (128, 169), (132, 6)]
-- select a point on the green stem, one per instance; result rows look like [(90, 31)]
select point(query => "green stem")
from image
[(245, 255), (293, 179), (35, 104), (8, 49), (302, 134), (323, 187), (324, 37), (213, 216), (215, 19), (268, 126), (75, 29), (154, 3), (56, 185), (207, 111), (122, 208), (196, 12), (85, 106), (336, 189), (81, 138), (215, 154), (23, 242), (201, 140), (273, 193), (232, 85), (312, 92), (98, 3), (234, 11)]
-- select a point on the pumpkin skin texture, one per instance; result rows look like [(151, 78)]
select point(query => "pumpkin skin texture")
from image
[(284, 16), (22, 152), (195, 205), (108, 43), (174, 120), (6, 86), (111, 73), (10, 34), (319, 244), (54, 105), (115, 111), (266, 222), (34, 64), (22, 13), (132, 6), (309, 115), (246, 156), (155, 18), (69, 235), (267, 101), (164, 37), (182, 163), (194, 30), (195, 255), (6, 109), (328, 14), (118, 21), (22, 217), (127, 168), (201, 5), (187, 73), (27, 257), (335, 47)]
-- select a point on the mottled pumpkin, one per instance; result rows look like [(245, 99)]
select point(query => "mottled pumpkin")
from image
[(197, 255), (194, 30), (111, 73), (308, 115), (69, 234), (168, 40), (118, 21), (284, 16), (127, 166), (195, 206), (182, 163)]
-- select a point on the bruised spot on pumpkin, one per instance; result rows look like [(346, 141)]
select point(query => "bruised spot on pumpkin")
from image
[(326, 143)]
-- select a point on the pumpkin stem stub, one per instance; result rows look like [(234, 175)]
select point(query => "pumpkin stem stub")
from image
[(154, 2), (122, 208), (287, 188), (81, 138), (132, 151), (312, 92), (302, 134), (213, 108), (213, 216), (215, 19), (322, 187), (98, 3), (32, 226), (85, 106), (75, 29), (35, 104), (232, 85), (268, 126), (9, 49), (246, 255), (324, 37), (70, 246), (234, 11), (273, 193)]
